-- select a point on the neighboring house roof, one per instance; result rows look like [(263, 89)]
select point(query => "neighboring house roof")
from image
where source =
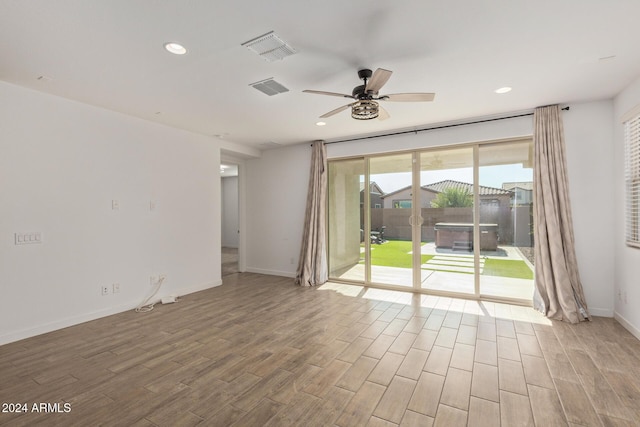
[(373, 188), (408, 187), (449, 183), (439, 187), (528, 185)]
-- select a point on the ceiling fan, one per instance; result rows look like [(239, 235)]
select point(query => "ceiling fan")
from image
[(366, 106)]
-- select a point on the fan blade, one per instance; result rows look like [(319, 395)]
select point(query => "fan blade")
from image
[(409, 97), (377, 80), (382, 113), (320, 92), (336, 111)]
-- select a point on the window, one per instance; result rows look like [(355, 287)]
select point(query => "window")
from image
[(402, 204), (632, 176)]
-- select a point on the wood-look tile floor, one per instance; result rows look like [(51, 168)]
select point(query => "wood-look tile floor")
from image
[(229, 261), (260, 351)]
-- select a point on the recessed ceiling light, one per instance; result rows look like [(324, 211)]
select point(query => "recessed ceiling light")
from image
[(175, 48), (503, 90), (320, 123)]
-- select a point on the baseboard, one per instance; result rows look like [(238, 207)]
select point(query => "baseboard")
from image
[(600, 312), (627, 325), (87, 317), (193, 289), (271, 272), (62, 323), (186, 291)]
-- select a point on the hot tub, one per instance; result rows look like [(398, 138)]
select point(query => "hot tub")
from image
[(459, 236)]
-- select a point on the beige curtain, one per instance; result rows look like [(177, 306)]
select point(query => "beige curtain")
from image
[(559, 292), (312, 267)]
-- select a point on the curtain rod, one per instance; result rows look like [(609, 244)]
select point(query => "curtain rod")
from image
[(435, 127)]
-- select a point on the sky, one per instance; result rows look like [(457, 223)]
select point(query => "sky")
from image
[(490, 176)]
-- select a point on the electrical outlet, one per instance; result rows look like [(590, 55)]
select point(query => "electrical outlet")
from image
[(105, 290), (116, 288)]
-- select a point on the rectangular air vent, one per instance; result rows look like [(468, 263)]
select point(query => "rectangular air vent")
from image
[(269, 87), (270, 47)]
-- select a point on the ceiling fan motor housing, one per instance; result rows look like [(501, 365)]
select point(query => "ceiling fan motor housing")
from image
[(359, 93)]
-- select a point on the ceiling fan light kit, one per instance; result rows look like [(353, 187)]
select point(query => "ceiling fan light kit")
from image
[(364, 110), (366, 95)]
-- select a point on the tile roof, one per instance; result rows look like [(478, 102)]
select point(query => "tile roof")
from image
[(449, 183), (408, 187)]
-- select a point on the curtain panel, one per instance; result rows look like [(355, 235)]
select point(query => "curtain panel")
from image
[(313, 268), (558, 290)]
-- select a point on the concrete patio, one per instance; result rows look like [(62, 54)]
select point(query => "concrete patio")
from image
[(452, 271)]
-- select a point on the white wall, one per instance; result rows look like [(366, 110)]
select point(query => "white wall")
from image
[(278, 187), (276, 194), (589, 148), (230, 214), (61, 165), (627, 265)]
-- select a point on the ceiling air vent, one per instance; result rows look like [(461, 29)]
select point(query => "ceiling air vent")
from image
[(269, 87), (270, 47)]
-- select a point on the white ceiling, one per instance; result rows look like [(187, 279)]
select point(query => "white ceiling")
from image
[(110, 54)]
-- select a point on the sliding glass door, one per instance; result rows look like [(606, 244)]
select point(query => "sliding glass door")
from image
[(446, 208), (453, 221), (506, 219), (390, 209), (346, 219)]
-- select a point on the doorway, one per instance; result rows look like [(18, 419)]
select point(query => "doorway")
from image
[(453, 221), (230, 229)]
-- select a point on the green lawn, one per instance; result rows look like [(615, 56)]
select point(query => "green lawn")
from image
[(396, 253), (507, 268)]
